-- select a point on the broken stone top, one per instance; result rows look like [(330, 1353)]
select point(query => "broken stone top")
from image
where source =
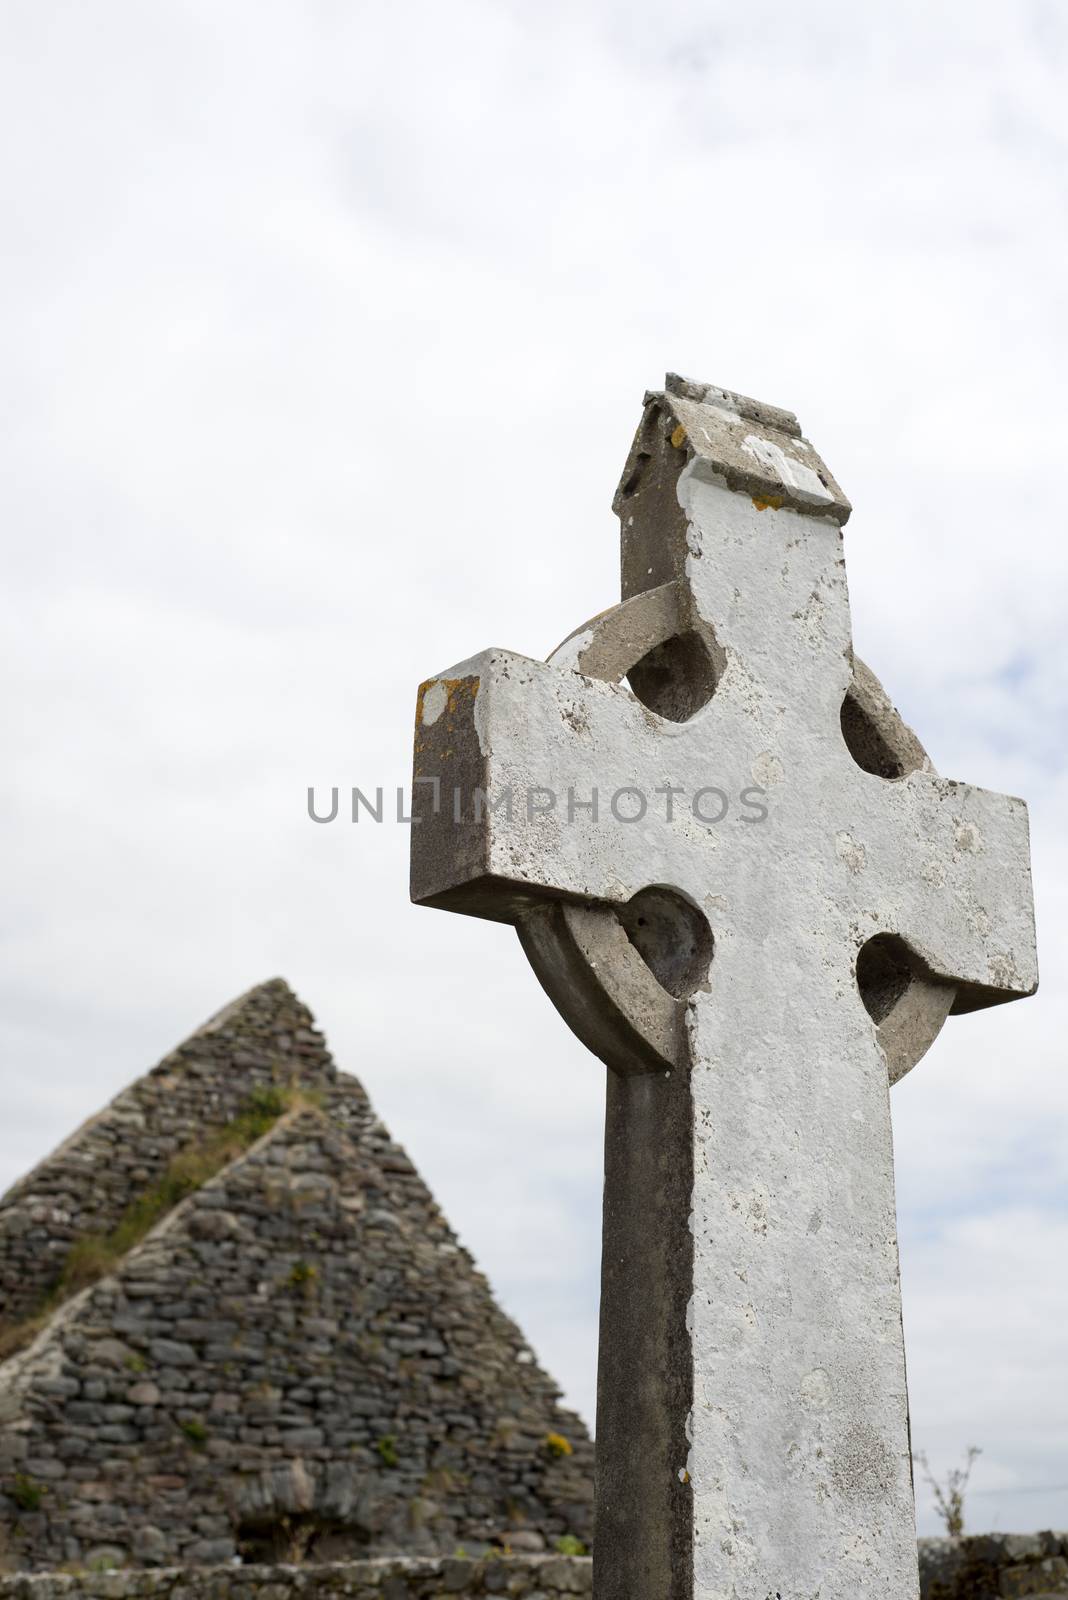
[(754, 448), (710, 394)]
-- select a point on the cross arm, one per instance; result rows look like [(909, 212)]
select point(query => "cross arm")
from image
[(956, 881), (506, 751), (472, 787)]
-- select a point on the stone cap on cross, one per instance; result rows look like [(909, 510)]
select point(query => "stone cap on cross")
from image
[(754, 448)]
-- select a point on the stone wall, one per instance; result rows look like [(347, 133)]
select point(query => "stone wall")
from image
[(1005, 1566), (994, 1566), (298, 1361), (264, 1038), (543, 1578)]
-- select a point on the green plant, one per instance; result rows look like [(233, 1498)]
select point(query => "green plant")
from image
[(302, 1532), (557, 1445), (569, 1545), (23, 1332), (443, 1481), (387, 1450), (303, 1276), (195, 1432), (26, 1492), (949, 1497), (107, 1561), (93, 1255), (267, 1102)]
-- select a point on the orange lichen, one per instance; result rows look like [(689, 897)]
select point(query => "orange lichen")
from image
[(456, 691), (678, 438), (460, 695), (772, 502)]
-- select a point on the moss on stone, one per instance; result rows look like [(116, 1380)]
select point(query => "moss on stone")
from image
[(93, 1255)]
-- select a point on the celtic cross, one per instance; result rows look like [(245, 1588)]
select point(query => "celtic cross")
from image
[(743, 884)]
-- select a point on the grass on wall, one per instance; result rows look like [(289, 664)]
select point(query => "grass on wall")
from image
[(93, 1255)]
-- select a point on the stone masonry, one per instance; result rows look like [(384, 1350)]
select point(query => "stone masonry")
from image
[(1005, 1566), (266, 1037), (514, 1578), (992, 1565), (297, 1361)]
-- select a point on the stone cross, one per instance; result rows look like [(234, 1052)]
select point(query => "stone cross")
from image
[(740, 879)]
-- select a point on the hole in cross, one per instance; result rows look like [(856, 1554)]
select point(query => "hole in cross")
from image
[(868, 744), (885, 969), (676, 678), (672, 937)]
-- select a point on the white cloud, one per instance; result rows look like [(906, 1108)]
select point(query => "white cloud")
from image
[(324, 332)]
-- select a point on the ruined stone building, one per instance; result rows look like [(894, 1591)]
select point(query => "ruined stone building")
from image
[(233, 1322)]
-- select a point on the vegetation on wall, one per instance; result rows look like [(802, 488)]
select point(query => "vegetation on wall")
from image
[(94, 1254)]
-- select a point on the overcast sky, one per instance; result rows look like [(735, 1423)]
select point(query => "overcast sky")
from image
[(325, 328)]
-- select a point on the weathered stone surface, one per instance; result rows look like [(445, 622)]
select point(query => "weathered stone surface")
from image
[(985, 1566), (1044, 1576), (302, 1379), (264, 1038), (539, 1577), (950, 1569), (754, 976)]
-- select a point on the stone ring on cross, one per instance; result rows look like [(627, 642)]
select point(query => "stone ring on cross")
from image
[(622, 977), (754, 977)]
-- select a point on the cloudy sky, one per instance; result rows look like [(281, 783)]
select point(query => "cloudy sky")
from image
[(324, 331)]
